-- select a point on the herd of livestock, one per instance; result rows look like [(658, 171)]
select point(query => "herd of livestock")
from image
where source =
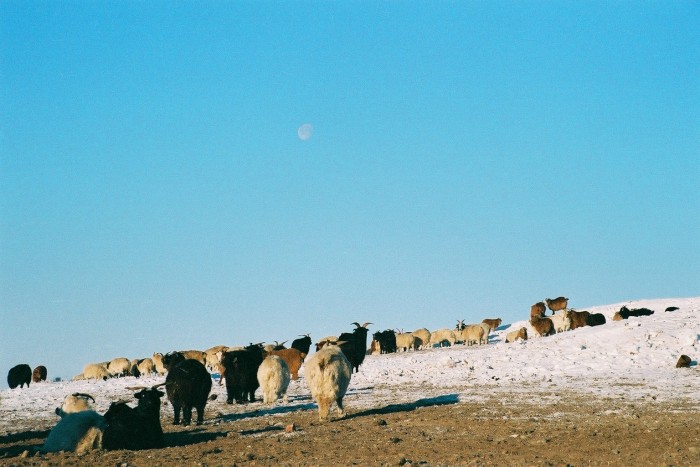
[(327, 374)]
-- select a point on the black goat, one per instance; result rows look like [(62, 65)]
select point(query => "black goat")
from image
[(135, 428), (188, 385), (19, 375), (303, 344), (626, 312), (595, 319), (240, 368), (386, 340), (354, 345)]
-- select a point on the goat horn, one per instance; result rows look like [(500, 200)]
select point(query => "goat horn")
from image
[(158, 385), (81, 394), (365, 325), (135, 388), (356, 324)]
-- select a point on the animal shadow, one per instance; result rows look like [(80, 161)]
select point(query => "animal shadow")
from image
[(447, 399)]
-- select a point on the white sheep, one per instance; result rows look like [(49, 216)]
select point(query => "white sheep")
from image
[(472, 334), (274, 377), (96, 371), (119, 366), (76, 402), (142, 366), (422, 337), (405, 341), (442, 335), (79, 432), (561, 321), (327, 374)]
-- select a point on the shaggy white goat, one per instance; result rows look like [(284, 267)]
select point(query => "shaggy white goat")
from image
[(79, 432), (273, 376), (327, 374)]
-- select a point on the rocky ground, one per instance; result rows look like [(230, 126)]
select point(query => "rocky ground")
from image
[(442, 431)]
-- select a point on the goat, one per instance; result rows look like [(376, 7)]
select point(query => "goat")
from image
[(561, 321), (595, 319), (273, 378), (405, 341), (493, 323), (96, 371), (188, 385), (158, 363), (559, 303), (354, 345), (441, 336), (387, 340), (324, 341), (302, 344), (78, 432), (135, 428), (472, 334), (327, 375), (626, 312), (119, 366), (39, 374), (293, 358), (240, 368), (517, 334), (543, 326), (579, 319), (422, 338), (76, 402), (19, 375), (538, 310)]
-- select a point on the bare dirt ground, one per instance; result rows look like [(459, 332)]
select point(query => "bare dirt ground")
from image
[(439, 431)]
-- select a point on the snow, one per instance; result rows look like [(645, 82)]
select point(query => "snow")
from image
[(635, 358)]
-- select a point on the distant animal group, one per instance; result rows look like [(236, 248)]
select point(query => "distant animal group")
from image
[(270, 367)]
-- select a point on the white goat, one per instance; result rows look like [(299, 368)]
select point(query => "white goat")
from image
[(273, 376), (442, 335), (327, 375), (561, 321), (79, 432), (73, 403)]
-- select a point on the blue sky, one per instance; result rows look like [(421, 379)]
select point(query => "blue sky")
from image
[(468, 159)]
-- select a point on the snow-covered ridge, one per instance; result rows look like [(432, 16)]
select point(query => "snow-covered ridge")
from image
[(637, 356)]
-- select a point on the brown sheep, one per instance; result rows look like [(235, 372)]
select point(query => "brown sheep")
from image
[(515, 335), (493, 323), (537, 310), (579, 319), (543, 326), (293, 358), (557, 304)]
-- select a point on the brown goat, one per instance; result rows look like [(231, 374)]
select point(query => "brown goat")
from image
[(493, 323), (579, 319), (543, 326), (293, 358), (537, 310), (557, 304), (515, 335)]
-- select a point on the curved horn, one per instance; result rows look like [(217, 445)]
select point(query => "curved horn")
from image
[(158, 385), (357, 325), (366, 324), (135, 388), (82, 394)]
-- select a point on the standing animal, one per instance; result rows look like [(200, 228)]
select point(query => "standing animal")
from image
[(302, 344), (273, 377), (422, 338), (387, 341), (78, 432), (19, 375), (293, 358), (442, 336), (472, 334), (39, 374), (240, 368), (561, 321), (158, 363), (543, 326), (559, 303), (579, 319), (142, 366), (327, 375), (595, 319), (188, 385), (135, 428), (493, 323), (354, 345), (119, 367), (517, 334), (538, 310), (405, 341)]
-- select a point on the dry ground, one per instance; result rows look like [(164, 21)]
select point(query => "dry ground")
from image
[(440, 431)]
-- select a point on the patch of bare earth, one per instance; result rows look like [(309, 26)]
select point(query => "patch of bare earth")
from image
[(442, 431)]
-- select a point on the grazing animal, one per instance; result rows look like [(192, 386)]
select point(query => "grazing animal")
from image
[(561, 321), (595, 319), (354, 345), (78, 432), (422, 338), (302, 344), (517, 334), (557, 304), (142, 366), (683, 362), (119, 367), (442, 336), (386, 340), (76, 402), (293, 358), (135, 428), (188, 385), (405, 341), (327, 375), (579, 319), (96, 371), (39, 374), (273, 378), (240, 368), (493, 323), (538, 310), (19, 375), (543, 326), (626, 312)]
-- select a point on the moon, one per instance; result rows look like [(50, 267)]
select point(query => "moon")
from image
[(305, 131)]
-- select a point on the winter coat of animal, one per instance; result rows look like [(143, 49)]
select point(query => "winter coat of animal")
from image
[(354, 345), (471, 334), (422, 338), (78, 432), (595, 319), (327, 374), (543, 326), (517, 334), (557, 304), (561, 321), (188, 384), (493, 323), (76, 402), (96, 371), (386, 341), (302, 344), (240, 369), (579, 319), (538, 310), (293, 358), (405, 341), (39, 374), (19, 375), (442, 336), (135, 428), (273, 377)]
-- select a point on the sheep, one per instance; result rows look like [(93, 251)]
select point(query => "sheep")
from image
[(293, 358), (538, 310), (39, 374), (354, 345), (96, 371), (441, 336), (561, 321), (78, 432), (135, 428), (472, 334), (158, 362), (273, 377), (543, 326), (143, 366), (387, 341), (324, 341), (327, 375), (240, 368), (197, 355), (303, 344), (188, 385), (119, 366), (557, 304), (405, 341), (518, 334), (422, 337), (19, 375), (76, 402), (493, 323), (578, 318), (595, 319)]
